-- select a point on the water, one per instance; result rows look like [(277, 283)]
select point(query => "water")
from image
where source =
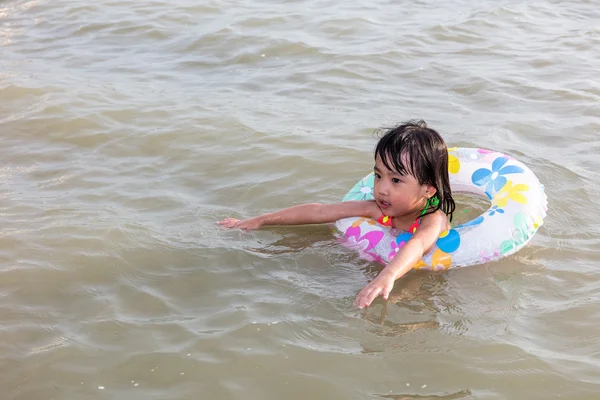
[(129, 128)]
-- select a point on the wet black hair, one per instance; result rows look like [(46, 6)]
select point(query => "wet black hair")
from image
[(426, 155)]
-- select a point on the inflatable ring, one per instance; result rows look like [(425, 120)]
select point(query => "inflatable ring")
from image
[(518, 207)]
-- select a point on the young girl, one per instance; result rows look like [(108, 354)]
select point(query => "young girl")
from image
[(412, 193)]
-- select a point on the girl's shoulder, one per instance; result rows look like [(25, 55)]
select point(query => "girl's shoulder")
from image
[(437, 219)]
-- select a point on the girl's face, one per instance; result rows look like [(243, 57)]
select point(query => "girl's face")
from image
[(399, 195)]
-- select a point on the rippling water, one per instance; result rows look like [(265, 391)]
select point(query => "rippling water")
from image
[(128, 128)]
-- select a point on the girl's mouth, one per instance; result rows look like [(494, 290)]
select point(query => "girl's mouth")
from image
[(384, 204)]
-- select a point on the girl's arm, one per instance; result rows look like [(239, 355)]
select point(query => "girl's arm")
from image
[(428, 232), (313, 213)]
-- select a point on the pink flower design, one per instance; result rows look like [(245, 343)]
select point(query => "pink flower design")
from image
[(364, 244), (395, 247), (486, 151), (485, 257)]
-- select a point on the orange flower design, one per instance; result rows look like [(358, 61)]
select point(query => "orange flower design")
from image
[(439, 261), (361, 220)]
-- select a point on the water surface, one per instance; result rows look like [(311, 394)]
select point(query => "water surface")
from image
[(129, 128)]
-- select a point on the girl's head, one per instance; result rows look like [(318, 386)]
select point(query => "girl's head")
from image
[(416, 152)]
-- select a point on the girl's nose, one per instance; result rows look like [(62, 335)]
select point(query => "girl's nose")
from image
[(382, 188)]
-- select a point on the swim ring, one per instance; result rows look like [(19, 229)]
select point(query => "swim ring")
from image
[(518, 208)]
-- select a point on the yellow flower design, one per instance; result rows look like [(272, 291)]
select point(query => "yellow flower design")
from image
[(510, 192), (453, 162)]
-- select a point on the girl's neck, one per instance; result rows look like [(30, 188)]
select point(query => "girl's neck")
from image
[(404, 222)]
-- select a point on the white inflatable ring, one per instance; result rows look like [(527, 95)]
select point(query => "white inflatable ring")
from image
[(518, 207)]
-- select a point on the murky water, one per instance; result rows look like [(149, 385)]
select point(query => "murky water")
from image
[(129, 128)]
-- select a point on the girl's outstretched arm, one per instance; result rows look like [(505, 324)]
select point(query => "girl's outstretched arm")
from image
[(313, 213), (430, 229)]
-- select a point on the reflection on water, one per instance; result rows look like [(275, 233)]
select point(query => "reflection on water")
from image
[(413, 298), (458, 395)]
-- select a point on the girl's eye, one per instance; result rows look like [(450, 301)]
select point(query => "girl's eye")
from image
[(377, 176), (396, 180)]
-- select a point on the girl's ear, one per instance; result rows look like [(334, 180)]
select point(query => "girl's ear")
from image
[(430, 191)]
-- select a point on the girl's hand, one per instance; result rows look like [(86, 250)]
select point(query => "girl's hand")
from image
[(382, 285), (430, 229), (246, 224)]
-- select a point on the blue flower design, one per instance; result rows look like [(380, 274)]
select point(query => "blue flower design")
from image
[(473, 222), (448, 241), (494, 179), (495, 210), (403, 237)]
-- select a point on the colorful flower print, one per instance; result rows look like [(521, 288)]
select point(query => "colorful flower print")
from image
[(363, 190), (361, 220), (440, 261), (397, 244), (486, 152), (395, 247), (473, 222), (510, 192), (485, 257), (494, 210), (453, 164), (365, 243), (422, 266), (519, 235), (494, 179), (448, 241)]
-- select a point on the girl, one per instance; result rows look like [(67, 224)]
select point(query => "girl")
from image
[(412, 193)]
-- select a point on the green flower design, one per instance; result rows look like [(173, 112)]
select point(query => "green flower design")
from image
[(363, 190), (523, 231)]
